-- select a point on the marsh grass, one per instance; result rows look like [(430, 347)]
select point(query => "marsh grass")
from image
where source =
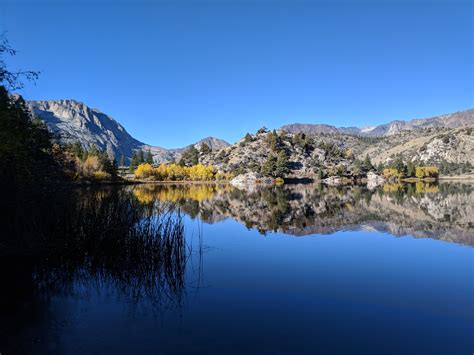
[(106, 238)]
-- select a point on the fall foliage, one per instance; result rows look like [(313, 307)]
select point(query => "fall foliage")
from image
[(175, 172)]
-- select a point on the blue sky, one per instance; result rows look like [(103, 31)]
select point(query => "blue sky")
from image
[(173, 72)]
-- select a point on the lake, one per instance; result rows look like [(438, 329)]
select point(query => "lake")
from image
[(297, 269)]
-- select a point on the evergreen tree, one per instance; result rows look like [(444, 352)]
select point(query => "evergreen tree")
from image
[(321, 173), (273, 141), (400, 166), (367, 164), (148, 157), (25, 144), (205, 148), (190, 157), (134, 162), (262, 130), (281, 165), (269, 166), (411, 169), (108, 166), (114, 168), (380, 168), (77, 150), (357, 167), (140, 157), (122, 160)]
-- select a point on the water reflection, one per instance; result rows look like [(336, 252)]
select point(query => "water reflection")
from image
[(99, 240), (442, 211), (116, 270)]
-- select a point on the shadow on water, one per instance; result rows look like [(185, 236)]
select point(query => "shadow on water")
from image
[(71, 252), (94, 238)]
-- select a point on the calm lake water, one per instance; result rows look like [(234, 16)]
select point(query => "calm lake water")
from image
[(300, 269)]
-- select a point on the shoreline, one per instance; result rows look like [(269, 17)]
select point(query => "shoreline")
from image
[(124, 181), (457, 177)]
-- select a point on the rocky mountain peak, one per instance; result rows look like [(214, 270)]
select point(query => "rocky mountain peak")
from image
[(74, 121)]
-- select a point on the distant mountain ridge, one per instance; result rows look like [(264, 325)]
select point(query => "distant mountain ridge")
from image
[(452, 120), (74, 122)]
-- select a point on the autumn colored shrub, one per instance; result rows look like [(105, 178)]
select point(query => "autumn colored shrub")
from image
[(392, 173), (175, 172), (423, 172), (144, 171)]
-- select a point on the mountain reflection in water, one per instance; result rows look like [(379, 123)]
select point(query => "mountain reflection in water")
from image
[(161, 268), (442, 211)]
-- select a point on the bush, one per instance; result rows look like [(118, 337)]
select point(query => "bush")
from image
[(144, 171), (101, 175), (279, 181), (392, 173), (427, 172), (89, 167), (200, 172), (174, 172), (223, 176)]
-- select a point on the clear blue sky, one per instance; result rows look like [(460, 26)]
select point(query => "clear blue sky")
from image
[(173, 72)]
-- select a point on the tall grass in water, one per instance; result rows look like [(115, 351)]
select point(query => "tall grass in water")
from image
[(106, 237)]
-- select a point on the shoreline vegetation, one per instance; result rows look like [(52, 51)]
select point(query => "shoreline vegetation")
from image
[(199, 174), (33, 156), (46, 160)]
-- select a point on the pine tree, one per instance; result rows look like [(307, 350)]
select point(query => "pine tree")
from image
[(357, 167), (411, 169), (140, 157), (281, 165), (321, 173), (190, 157), (269, 166), (367, 164), (380, 168), (114, 168), (77, 150), (148, 157), (205, 148), (134, 162)]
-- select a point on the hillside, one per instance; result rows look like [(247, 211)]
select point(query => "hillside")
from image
[(428, 146), (307, 149), (342, 154), (305, 155), (452, 120), (73, 121)]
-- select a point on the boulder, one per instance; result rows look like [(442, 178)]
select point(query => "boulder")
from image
[(374, 180), (337, 181), (251, 179)]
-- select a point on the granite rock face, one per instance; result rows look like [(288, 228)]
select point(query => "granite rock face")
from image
[(73, 121), (447, 138)]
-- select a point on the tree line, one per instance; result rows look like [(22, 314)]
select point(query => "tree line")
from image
[(176, 172), (399, 169)]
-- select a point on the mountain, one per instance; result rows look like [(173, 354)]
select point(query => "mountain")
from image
[(435, 140), (337, 153), (432, 146), (452, 120), (427, 211), (73, 121)]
